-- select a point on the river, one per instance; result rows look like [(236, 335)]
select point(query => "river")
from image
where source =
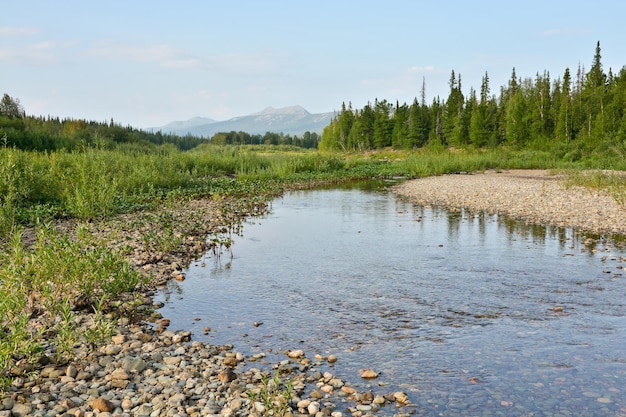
[(468, 313)]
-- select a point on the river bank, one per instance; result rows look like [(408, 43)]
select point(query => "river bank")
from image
[(145, 369), (533, 196)]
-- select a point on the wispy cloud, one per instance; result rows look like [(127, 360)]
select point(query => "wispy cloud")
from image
[(168, 57), (563, 32), (155, 53), (17, 31), (182, 63), (41, 53)]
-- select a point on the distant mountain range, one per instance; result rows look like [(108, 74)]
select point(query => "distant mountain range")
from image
[(293, 120)]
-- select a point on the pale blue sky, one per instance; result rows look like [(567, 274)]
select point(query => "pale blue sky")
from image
[(147, 63)]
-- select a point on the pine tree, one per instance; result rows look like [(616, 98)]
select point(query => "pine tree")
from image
[(362, 133), (419, 125), (383, 125), (344, 125), (481, 125), (435, 133), (540, 107), (594, 92), (616, 106)]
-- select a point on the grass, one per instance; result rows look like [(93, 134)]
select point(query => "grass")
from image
[(613, 182), (96, 183)]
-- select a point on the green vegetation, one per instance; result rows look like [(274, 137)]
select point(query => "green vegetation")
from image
[(96, 183), (575, 119), (274, 395), (612, 182), (43, 286)]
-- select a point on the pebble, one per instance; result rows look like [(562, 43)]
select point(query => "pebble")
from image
[(102, 404), (313, 407), (158, 377), (296, 354), (368, 374)]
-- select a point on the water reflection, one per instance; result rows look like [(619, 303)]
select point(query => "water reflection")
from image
[(464, 311)]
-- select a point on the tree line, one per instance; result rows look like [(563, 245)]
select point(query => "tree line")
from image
[(574, 115), (39, 133), (307, 140)]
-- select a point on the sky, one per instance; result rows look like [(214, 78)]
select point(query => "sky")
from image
[(147, 63)]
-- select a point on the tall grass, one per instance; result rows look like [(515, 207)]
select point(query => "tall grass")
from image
[(15, 185), (613, 182), (97, 183)]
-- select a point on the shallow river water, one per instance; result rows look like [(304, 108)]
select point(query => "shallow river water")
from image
[(469, 314)]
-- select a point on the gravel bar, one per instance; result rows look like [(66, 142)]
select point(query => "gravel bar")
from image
[(533, 196)]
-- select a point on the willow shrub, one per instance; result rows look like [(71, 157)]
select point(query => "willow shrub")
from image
[(54, 277)]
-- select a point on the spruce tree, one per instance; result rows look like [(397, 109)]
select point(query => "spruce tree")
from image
[(564, 127)]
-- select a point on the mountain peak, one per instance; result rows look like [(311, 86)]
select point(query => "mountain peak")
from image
[(293, 120), (187, 124), (290, 110)]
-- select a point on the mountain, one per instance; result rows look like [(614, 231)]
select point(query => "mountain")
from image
[(292, 120), (187, 124)]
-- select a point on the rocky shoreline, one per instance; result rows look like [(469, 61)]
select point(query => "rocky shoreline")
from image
[(147, 370), (145, 373), (533, 196)]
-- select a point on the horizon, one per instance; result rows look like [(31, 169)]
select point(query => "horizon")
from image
[(164, 63)]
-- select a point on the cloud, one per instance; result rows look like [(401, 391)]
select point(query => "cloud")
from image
[(156, 53), (563, 32), (182, 63), (17, 31), (37, 54), (169, 57), (422, 70)]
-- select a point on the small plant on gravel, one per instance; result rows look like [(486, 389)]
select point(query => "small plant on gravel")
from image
[(102, 326), (43, 286), (66, 332), (274, 395)]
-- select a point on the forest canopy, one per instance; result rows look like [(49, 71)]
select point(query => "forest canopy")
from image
[(574, 115)]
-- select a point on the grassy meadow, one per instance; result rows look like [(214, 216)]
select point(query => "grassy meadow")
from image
[(52, 276)]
